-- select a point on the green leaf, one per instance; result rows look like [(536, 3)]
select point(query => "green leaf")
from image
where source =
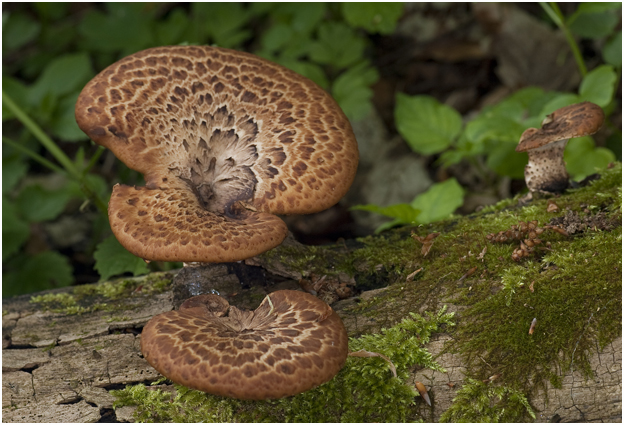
[(223, 24), (171, 31), (63, 121), (583, 158), (66, 74), (612, 50), (37, 204), (374, 17), (276, 37), (303, 17), (15, 231), (307, 69), (18, 92), (123, 29), (427, 125), (112, 259), (440, 201), (13, 169), (337, 45), (46, 270), (352, 90), (598, 85), (18, 30), (559, 101), (594, 20), (504, 160)]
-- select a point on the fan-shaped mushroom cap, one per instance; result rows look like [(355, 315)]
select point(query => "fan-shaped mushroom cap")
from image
[(223, 138), (546, 170), (291, 343)]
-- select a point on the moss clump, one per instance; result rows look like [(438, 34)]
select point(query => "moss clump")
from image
[(54, 300), (153, 283), (363, 391), (576, 301), (477, 401)]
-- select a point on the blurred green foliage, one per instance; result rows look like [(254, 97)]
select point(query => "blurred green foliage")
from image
[(51, 50), (430, 127)]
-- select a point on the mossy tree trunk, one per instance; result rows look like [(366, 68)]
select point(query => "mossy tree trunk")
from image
[(65, 350)]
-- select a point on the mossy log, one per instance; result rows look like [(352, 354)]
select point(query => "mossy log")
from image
[(65, 350)]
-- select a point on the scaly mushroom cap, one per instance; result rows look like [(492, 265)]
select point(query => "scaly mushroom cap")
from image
[(546, 170), (224, 139), (291, 343)]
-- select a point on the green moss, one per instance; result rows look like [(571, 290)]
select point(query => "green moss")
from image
[(576, 300), (363, 391), (49, 300), (477, 401)]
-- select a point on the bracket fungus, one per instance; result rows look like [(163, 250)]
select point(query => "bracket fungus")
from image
[(546, 170), (225, 141), (291, 343)]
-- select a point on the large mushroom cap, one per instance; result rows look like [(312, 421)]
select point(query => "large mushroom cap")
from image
[(291, 343), (545, 171), (224, 139)]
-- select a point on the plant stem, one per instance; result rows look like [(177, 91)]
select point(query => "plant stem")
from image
[(43, 138), (59, 155), (553, 11), (33, 155)]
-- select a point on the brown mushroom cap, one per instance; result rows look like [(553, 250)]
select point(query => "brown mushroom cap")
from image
[(291, 343), (223, 138), (546, 170)]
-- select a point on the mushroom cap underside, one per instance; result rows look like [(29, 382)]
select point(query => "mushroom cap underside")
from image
[(580, 119), (291, 343), (223, 122), (170, 225)]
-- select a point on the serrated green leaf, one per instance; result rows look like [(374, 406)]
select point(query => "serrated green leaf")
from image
[(220, 23), (352, 90), (612, 50), (64, 75), (427, 125), (307, 69), (46, 270), (15, 231), (598, 85), (583, 158), (37, 204), (18, 30), (337, 45), (440, 201), (374, 17), (112, 259)]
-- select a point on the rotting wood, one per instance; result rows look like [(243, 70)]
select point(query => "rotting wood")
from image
[(59, 367), (70, 381)]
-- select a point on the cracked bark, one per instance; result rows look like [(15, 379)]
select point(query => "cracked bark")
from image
[(60, 368)]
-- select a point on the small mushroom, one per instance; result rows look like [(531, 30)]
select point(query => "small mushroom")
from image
[(291, 343), (225, 141), (546, 170)]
